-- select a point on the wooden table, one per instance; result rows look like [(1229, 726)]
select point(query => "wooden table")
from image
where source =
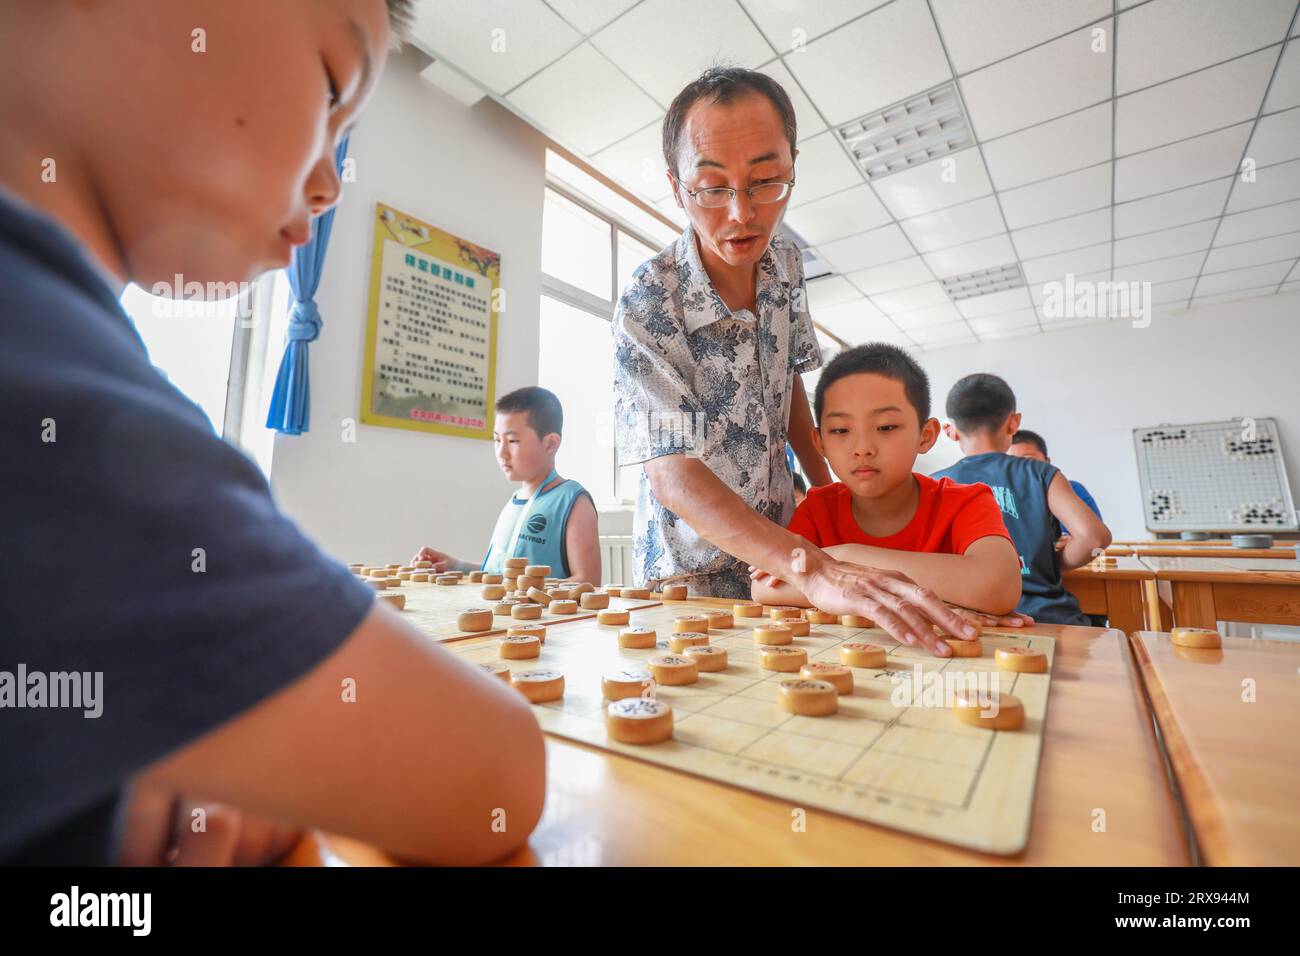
[(1237, 762), (1229, 552), (1204, 591), (1125, 594), (1099, 753)]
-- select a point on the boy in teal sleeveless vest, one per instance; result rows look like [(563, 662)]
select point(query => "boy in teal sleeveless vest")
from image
[(550, 520)]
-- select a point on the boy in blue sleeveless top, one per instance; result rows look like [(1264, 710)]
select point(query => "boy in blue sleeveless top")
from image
[(1036, 499), (551, 520)]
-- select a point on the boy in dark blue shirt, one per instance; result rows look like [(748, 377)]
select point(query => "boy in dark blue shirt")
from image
[(1036, 499), (232, 663)]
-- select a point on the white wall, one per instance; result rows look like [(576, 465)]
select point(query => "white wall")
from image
[(478, 173), (1085, 389)]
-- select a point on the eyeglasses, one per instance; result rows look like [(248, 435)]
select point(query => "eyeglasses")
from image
[(715, 197)]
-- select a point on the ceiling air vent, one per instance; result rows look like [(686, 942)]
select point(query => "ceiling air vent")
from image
[(915, 131), (970, 284)]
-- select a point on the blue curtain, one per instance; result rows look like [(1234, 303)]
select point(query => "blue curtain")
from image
[(290, 412)]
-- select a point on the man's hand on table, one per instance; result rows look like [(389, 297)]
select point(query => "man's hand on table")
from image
[(901, 607)]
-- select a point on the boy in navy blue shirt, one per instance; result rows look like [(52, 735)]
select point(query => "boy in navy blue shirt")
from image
[(235, 668), (1035, 497)]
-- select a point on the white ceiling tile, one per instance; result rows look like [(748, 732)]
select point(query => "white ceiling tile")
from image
[(995, 303), (1165, 243), (1219, 96), (936, 315), (941, 336), (1276, 138), (1285, 91), (1173, 208), (638, 162), (855, 321), (828, 291), (1058, 197), (821, 168), (1076, 262), (1211, 156), (934, 185), (1289, 287), (466, 36), (972, 256), (1254, 253), (1273, 184), (881, 58), (1165, 293), (1271, 274), (1040, 84), (1162, 270), (838, 215), (1086, 229), (1166, 38), (1063, 286), (588, 16), (1050, 149), (1236, 296), (1012, 333), (1258, 223), (913, 297), (583, 101), (805, 115), (787, 22), (988, 325), (866, 249), (894, 275), (979, 33), (954, 225), (665, 44)]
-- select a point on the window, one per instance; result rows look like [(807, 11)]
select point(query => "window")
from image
[(593, 239), (190, 342), (224, 356)]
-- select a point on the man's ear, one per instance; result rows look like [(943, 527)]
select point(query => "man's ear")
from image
[(950, 430), (672, 185), (929, 435)]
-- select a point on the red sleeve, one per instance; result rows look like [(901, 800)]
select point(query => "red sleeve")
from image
[(803, 522), (977, 517)]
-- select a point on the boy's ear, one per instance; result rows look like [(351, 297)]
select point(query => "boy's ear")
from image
[(1013, 423), (929, 435), (950, 430), (817, 441)]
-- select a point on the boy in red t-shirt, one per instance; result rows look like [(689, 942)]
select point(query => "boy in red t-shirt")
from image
[(872, 406)]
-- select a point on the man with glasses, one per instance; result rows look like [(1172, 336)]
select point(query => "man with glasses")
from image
[(711, 336)]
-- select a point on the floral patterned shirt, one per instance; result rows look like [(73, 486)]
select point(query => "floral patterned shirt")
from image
[(691, 377)]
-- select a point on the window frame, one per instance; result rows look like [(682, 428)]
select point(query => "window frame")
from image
[(581, 299)]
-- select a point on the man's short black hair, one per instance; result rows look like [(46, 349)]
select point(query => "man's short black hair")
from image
[(724, 85), (980, 403), (877, 358), (545, 413), (1026, 437)]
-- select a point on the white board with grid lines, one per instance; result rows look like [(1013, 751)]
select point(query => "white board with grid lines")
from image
[(1214, 476), (912, 768)]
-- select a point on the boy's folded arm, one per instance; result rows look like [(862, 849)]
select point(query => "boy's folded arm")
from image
[(985, 578), (1088, 533), (433, 760)]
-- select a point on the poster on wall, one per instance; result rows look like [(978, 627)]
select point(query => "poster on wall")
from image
[(431, 330)]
